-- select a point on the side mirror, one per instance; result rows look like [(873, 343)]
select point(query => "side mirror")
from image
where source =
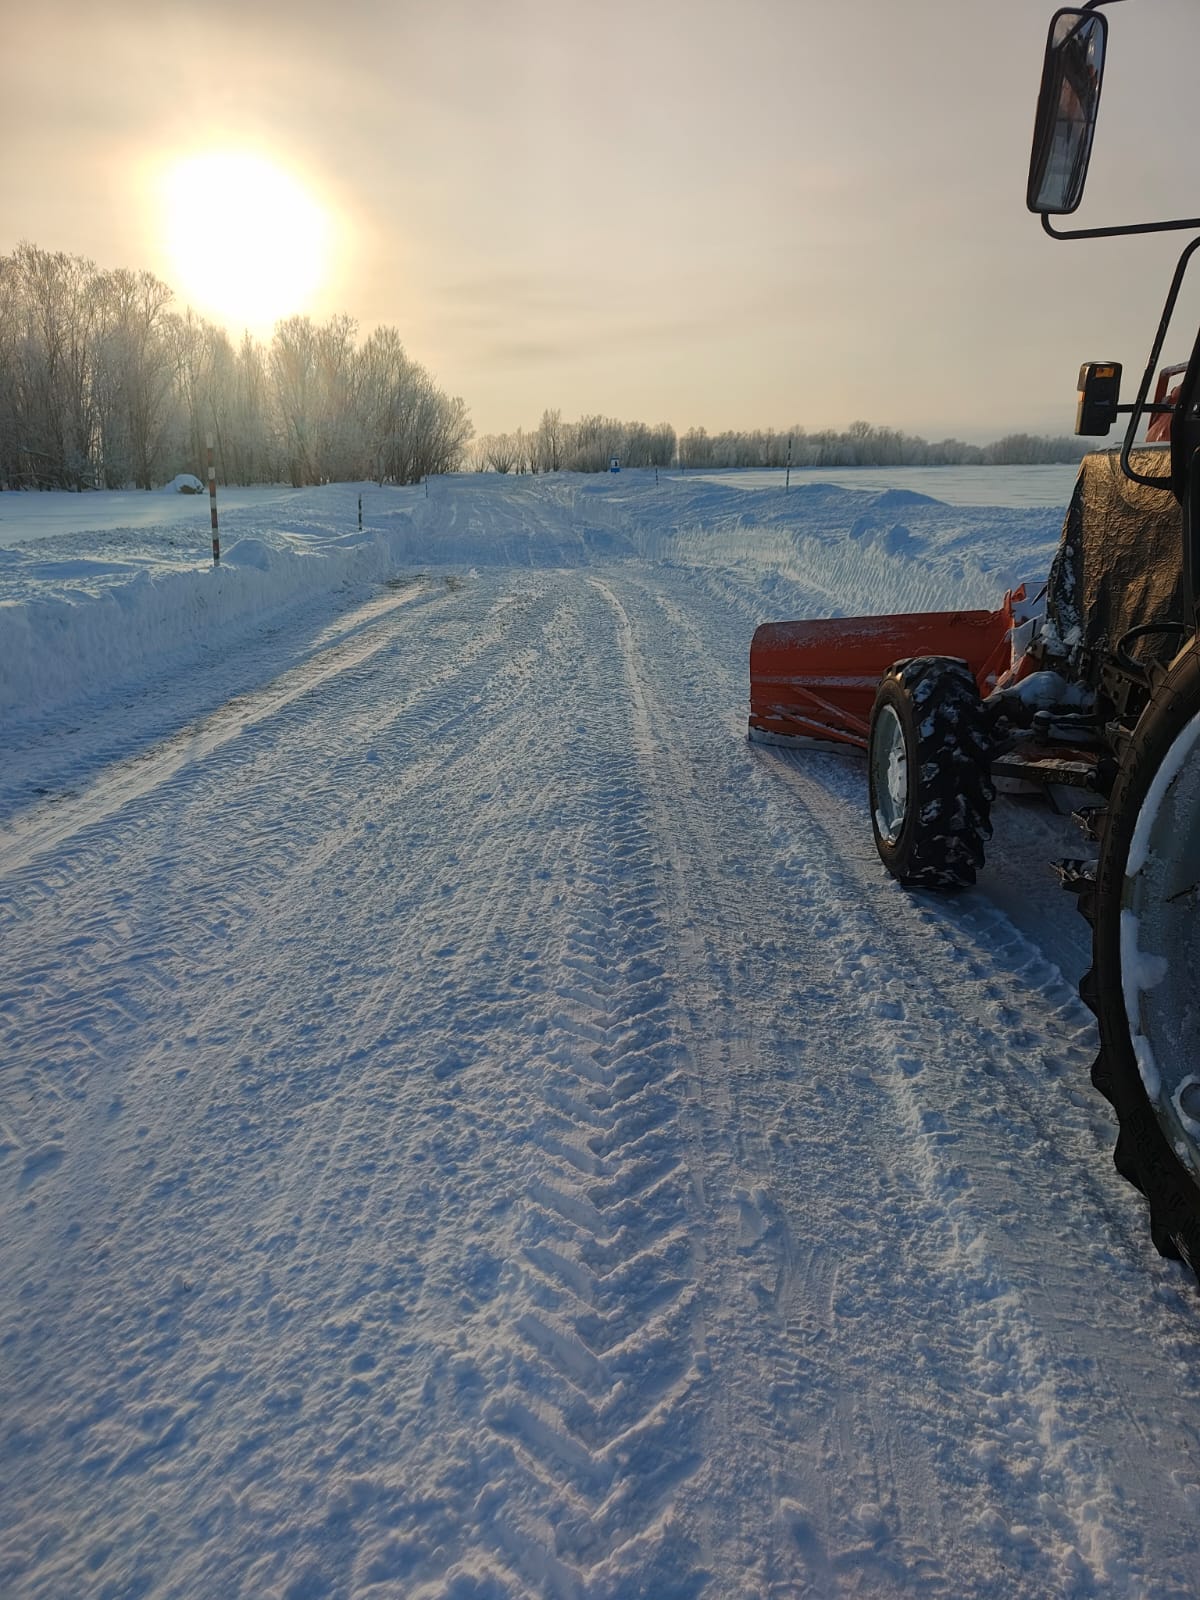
[(1066, 111), (1097, 398)]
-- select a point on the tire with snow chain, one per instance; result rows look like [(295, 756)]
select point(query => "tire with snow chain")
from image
[(928, 759), (1144, 986)]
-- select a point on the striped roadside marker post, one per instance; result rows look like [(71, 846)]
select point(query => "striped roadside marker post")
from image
[(212, 503)]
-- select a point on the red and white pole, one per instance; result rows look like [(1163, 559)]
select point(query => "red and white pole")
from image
[(212, 503)]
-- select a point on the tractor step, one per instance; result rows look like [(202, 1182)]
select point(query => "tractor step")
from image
[(1074, 770)]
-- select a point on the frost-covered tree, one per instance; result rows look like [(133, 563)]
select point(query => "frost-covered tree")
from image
[(550, 436), (135, 377), (500, 451), (48, 318)]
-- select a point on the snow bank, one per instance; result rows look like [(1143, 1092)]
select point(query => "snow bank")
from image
[(58, 649), (91, 607), (107, 607)]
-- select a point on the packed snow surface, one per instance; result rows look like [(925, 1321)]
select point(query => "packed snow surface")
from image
[(473, 1125)]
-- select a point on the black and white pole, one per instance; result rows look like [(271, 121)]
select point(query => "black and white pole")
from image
[(212, 503), (360, 513), (787, 477)]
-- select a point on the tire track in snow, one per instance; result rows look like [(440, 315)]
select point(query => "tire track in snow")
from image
[(437, 712), (599, 1411), (751, 1256)]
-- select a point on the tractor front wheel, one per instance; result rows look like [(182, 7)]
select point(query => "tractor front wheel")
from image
[(928, 760), (1146, 954)]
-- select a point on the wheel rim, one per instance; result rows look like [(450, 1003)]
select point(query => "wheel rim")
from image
[(889, 775), (1160, 945)]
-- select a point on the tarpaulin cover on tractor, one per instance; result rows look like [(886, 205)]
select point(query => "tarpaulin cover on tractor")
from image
[(1119, 565)]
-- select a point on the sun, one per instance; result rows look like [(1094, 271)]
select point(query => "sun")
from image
[(248, 244)]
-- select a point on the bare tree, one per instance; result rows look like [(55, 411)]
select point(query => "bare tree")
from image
[(133, 356), (550, 435)]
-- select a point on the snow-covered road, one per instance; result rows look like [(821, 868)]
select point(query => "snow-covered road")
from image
[(474, 1126)]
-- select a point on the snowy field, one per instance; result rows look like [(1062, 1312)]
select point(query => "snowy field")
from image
[(957, 486), (472, 1126), (26, 518)]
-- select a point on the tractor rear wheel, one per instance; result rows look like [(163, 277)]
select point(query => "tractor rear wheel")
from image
[(928, 760), (1146, 956)]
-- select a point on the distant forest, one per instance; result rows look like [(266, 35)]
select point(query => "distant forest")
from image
[(104, 386), (589, 444)]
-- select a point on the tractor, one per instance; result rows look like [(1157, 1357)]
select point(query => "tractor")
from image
[(1099, 692)]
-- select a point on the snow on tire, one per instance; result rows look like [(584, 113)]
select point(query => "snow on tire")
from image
[(928, 759), (1145, 915)]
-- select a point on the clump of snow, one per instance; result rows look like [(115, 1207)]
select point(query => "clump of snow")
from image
[(896, 540), (184, 483), (1049, 689), (891, 498), (249, 553)]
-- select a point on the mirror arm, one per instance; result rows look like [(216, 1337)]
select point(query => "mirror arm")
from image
[(1114, 233)]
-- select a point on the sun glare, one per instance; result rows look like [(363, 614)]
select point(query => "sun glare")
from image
[(247, 243)]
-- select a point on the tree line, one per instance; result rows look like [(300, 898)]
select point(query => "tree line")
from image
[(863, 445), (584, 446), (589, 444), (104, 385)]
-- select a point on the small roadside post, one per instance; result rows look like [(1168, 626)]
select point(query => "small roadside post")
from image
[(787, 478), (212, 503)]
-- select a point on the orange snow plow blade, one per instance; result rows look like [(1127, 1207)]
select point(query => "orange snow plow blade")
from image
[(817, 680)]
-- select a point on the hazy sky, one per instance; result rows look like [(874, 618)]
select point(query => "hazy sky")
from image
[(718, 214)]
